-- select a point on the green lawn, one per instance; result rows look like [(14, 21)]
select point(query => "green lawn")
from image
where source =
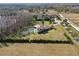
[(53, 34), (46, 23)]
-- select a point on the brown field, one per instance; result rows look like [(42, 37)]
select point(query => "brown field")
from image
[(39, 49), (73, 17), (52, 12)]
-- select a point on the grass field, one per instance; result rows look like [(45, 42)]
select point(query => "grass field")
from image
[(39, 49), (46, 23), (53, 34)]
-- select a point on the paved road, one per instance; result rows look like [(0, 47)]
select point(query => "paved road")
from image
[(70, 22)]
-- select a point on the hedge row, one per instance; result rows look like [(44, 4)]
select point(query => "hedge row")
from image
[(34, 41)]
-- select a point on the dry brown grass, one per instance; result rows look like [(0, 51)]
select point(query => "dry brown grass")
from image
[(73, 17), (51, 12), (39, 49)]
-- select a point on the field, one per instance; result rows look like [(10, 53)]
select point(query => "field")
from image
[(42, 48), (39, 49), (73, 17)]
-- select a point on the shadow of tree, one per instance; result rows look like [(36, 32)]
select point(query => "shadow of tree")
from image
[(4, 43), (0, 46)]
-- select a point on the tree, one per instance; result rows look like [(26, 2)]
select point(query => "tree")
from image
[(43, 21)]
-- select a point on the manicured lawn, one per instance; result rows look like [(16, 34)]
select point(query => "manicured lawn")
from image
[(53, 34), (46, 23)]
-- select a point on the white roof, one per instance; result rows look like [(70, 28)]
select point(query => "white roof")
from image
[(37, 26)]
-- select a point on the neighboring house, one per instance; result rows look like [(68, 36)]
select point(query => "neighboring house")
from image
[(46, 17), (40, 17)]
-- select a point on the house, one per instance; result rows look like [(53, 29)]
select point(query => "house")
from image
[(37, 26), (41, 17), (41, 29), (45, 29), (34, 29)]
